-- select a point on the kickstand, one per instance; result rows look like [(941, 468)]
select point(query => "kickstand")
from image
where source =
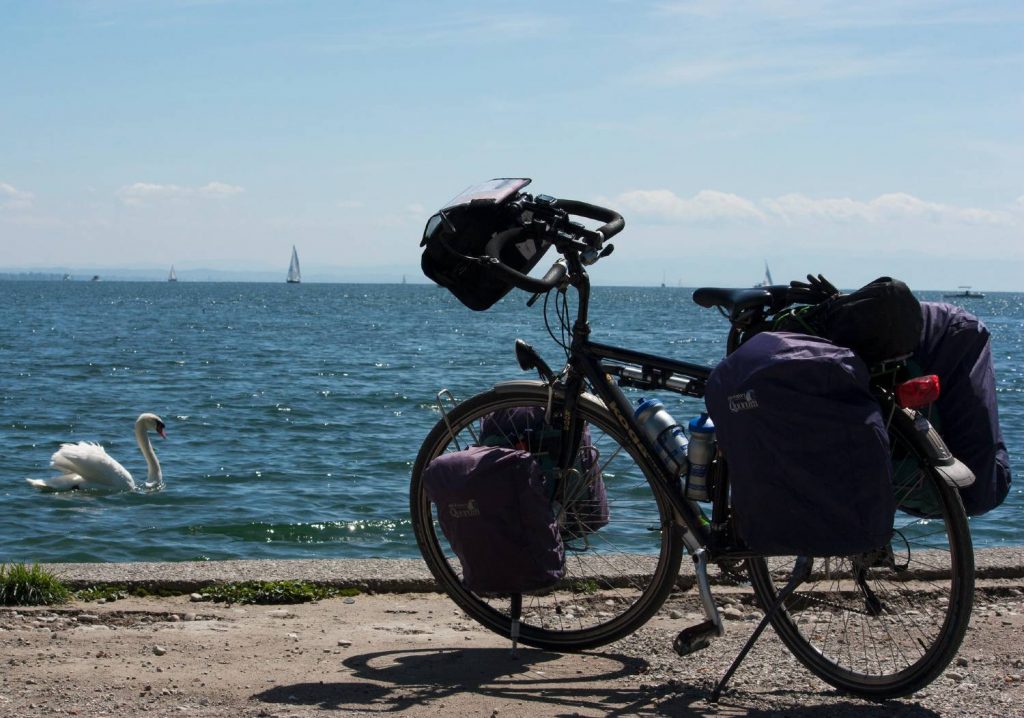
[(516, 611), (801, 572)]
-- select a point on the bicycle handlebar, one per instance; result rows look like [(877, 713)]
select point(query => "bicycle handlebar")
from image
[(550, 280), (613, 224), (613, 221)]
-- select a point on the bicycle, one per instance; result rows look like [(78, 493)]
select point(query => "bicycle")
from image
[(878, 625)]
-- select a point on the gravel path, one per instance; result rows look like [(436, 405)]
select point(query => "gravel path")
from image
[(415, 654)]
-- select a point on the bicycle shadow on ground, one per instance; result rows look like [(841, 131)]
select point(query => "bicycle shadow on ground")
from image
[(395, 681), (403, 680)]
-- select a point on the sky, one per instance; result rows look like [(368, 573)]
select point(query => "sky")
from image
[(852, 139)]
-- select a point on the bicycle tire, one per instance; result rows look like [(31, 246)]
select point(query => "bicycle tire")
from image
[(616, 578), (924, 586)]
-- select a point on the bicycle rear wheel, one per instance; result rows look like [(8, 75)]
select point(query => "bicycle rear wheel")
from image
[(616, 577), (884, 624)]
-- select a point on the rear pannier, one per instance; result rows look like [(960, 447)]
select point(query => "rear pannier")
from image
[(955, 345), (808, 453), (494, 510)]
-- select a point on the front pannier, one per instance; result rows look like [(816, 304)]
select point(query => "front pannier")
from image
[(494, 510), (808, 452), (582, 494), (955, 345)]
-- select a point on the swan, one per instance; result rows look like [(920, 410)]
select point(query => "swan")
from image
[(87, 465)]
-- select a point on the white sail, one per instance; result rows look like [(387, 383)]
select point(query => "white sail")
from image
[(172, 277), (294, 275)]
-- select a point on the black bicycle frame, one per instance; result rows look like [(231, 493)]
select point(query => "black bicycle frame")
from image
[(596, 364)]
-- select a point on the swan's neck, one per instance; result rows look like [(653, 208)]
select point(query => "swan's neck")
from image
[(153, 474)]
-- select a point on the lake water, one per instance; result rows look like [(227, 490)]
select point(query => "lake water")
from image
[(294, 412)]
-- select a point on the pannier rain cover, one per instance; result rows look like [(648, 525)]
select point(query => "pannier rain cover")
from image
[(808, 452), (879, 321), (955, 346), (584, 496), (495, 513)]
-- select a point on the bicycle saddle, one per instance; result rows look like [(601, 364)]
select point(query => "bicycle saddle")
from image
[(733, 300)]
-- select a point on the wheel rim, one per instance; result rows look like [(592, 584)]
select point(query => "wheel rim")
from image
[(887, 623), (616, 577)]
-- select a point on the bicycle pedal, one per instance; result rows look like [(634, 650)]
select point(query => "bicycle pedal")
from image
[(694, 638)]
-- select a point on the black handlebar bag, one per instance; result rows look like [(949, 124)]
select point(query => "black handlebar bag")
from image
[(809, 460), (455, 246)]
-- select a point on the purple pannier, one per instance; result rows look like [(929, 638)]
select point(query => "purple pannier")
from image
[(495, 513), (808, 453), (955, 345), (583, 495)]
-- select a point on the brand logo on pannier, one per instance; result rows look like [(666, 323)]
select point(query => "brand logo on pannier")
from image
[(742, 402), (464, 511)]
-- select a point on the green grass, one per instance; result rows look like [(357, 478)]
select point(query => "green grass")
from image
[(264, 592), (22, 585), (273, 592)]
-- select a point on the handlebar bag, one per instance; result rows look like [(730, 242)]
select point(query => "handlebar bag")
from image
[(956, 346), (879, 321), (494, 510), (582, 495), (454, 241), (808, 452)]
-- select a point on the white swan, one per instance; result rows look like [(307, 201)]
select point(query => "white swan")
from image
[(86, 465)]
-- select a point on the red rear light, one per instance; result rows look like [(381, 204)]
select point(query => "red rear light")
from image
[(918, 393)]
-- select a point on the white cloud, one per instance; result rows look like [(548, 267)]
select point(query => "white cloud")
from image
[(142, 193), (896, 206), (13, 198), (714, 206), (706, 206)]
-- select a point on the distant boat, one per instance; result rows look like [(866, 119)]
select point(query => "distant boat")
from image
[(294, 275), (95, 278), (965, 293), (172, 277), (767, 281)]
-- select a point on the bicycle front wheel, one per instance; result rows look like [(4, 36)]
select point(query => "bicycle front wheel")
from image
[(616, 577), (884, 624)]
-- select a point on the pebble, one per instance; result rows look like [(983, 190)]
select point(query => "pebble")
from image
[(344, 643), (159, 650), (196, 597)]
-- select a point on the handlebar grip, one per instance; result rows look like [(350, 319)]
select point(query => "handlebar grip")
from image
[(613, 221), (497, 243)]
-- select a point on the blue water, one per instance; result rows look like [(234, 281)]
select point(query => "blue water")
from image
[(294, 412)]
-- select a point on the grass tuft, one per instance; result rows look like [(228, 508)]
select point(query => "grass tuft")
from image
[(273, 592), (22, 585)]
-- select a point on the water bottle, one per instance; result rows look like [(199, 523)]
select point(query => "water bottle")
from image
[(667, 436), (701, 451)]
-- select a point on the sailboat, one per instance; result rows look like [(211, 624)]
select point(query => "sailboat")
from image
[(172, 277), (767, 281), (965, 293), (294, 275)]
